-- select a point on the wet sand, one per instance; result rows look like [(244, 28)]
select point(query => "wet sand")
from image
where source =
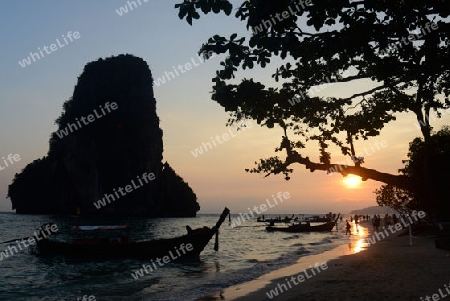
[(390, 269)]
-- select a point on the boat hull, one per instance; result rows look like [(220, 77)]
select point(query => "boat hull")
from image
[(274, 221), (327, 227), (190, 245)]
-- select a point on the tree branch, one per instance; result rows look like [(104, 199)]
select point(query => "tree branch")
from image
[(399, 181), (366, 92)]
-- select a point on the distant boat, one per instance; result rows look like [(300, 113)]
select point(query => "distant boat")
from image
[(304, 226), (318, 219), (122, 247), (275, 220)]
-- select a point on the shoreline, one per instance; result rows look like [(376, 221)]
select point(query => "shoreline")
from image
[(390, 269), (247, 290)]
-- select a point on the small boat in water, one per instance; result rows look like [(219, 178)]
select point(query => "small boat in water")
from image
[(188, 245), (319, 219), (329, 217), (304, 226), (278, 219)]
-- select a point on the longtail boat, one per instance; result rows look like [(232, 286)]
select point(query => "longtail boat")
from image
[(275, 220), (304, 227), (188, 245)]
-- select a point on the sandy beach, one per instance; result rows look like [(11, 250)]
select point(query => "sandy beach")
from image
[(390, 269)]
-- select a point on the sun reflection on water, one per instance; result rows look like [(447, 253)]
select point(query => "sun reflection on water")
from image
[(358, 242)]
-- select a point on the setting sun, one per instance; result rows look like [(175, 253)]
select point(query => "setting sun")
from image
[(352, 181)]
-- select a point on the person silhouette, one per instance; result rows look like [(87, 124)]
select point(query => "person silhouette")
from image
[(347, 228)]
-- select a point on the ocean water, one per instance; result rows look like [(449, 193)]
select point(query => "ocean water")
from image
[(245, 253)]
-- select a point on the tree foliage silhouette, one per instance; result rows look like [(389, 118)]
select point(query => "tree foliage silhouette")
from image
[(400, 47), (401, 199)]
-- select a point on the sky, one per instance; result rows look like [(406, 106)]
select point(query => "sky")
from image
[(31, 98)]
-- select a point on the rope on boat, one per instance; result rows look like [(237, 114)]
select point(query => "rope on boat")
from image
[(13, 240), (25, 238)]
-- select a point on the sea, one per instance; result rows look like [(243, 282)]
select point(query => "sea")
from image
[(245, 253)]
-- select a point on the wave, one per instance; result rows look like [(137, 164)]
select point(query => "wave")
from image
[(291, 237), (322, 242)]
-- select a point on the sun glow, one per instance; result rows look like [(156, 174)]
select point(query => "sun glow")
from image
[(352, 181)]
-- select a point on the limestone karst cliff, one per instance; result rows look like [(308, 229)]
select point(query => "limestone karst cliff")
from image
[(108, 140)]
